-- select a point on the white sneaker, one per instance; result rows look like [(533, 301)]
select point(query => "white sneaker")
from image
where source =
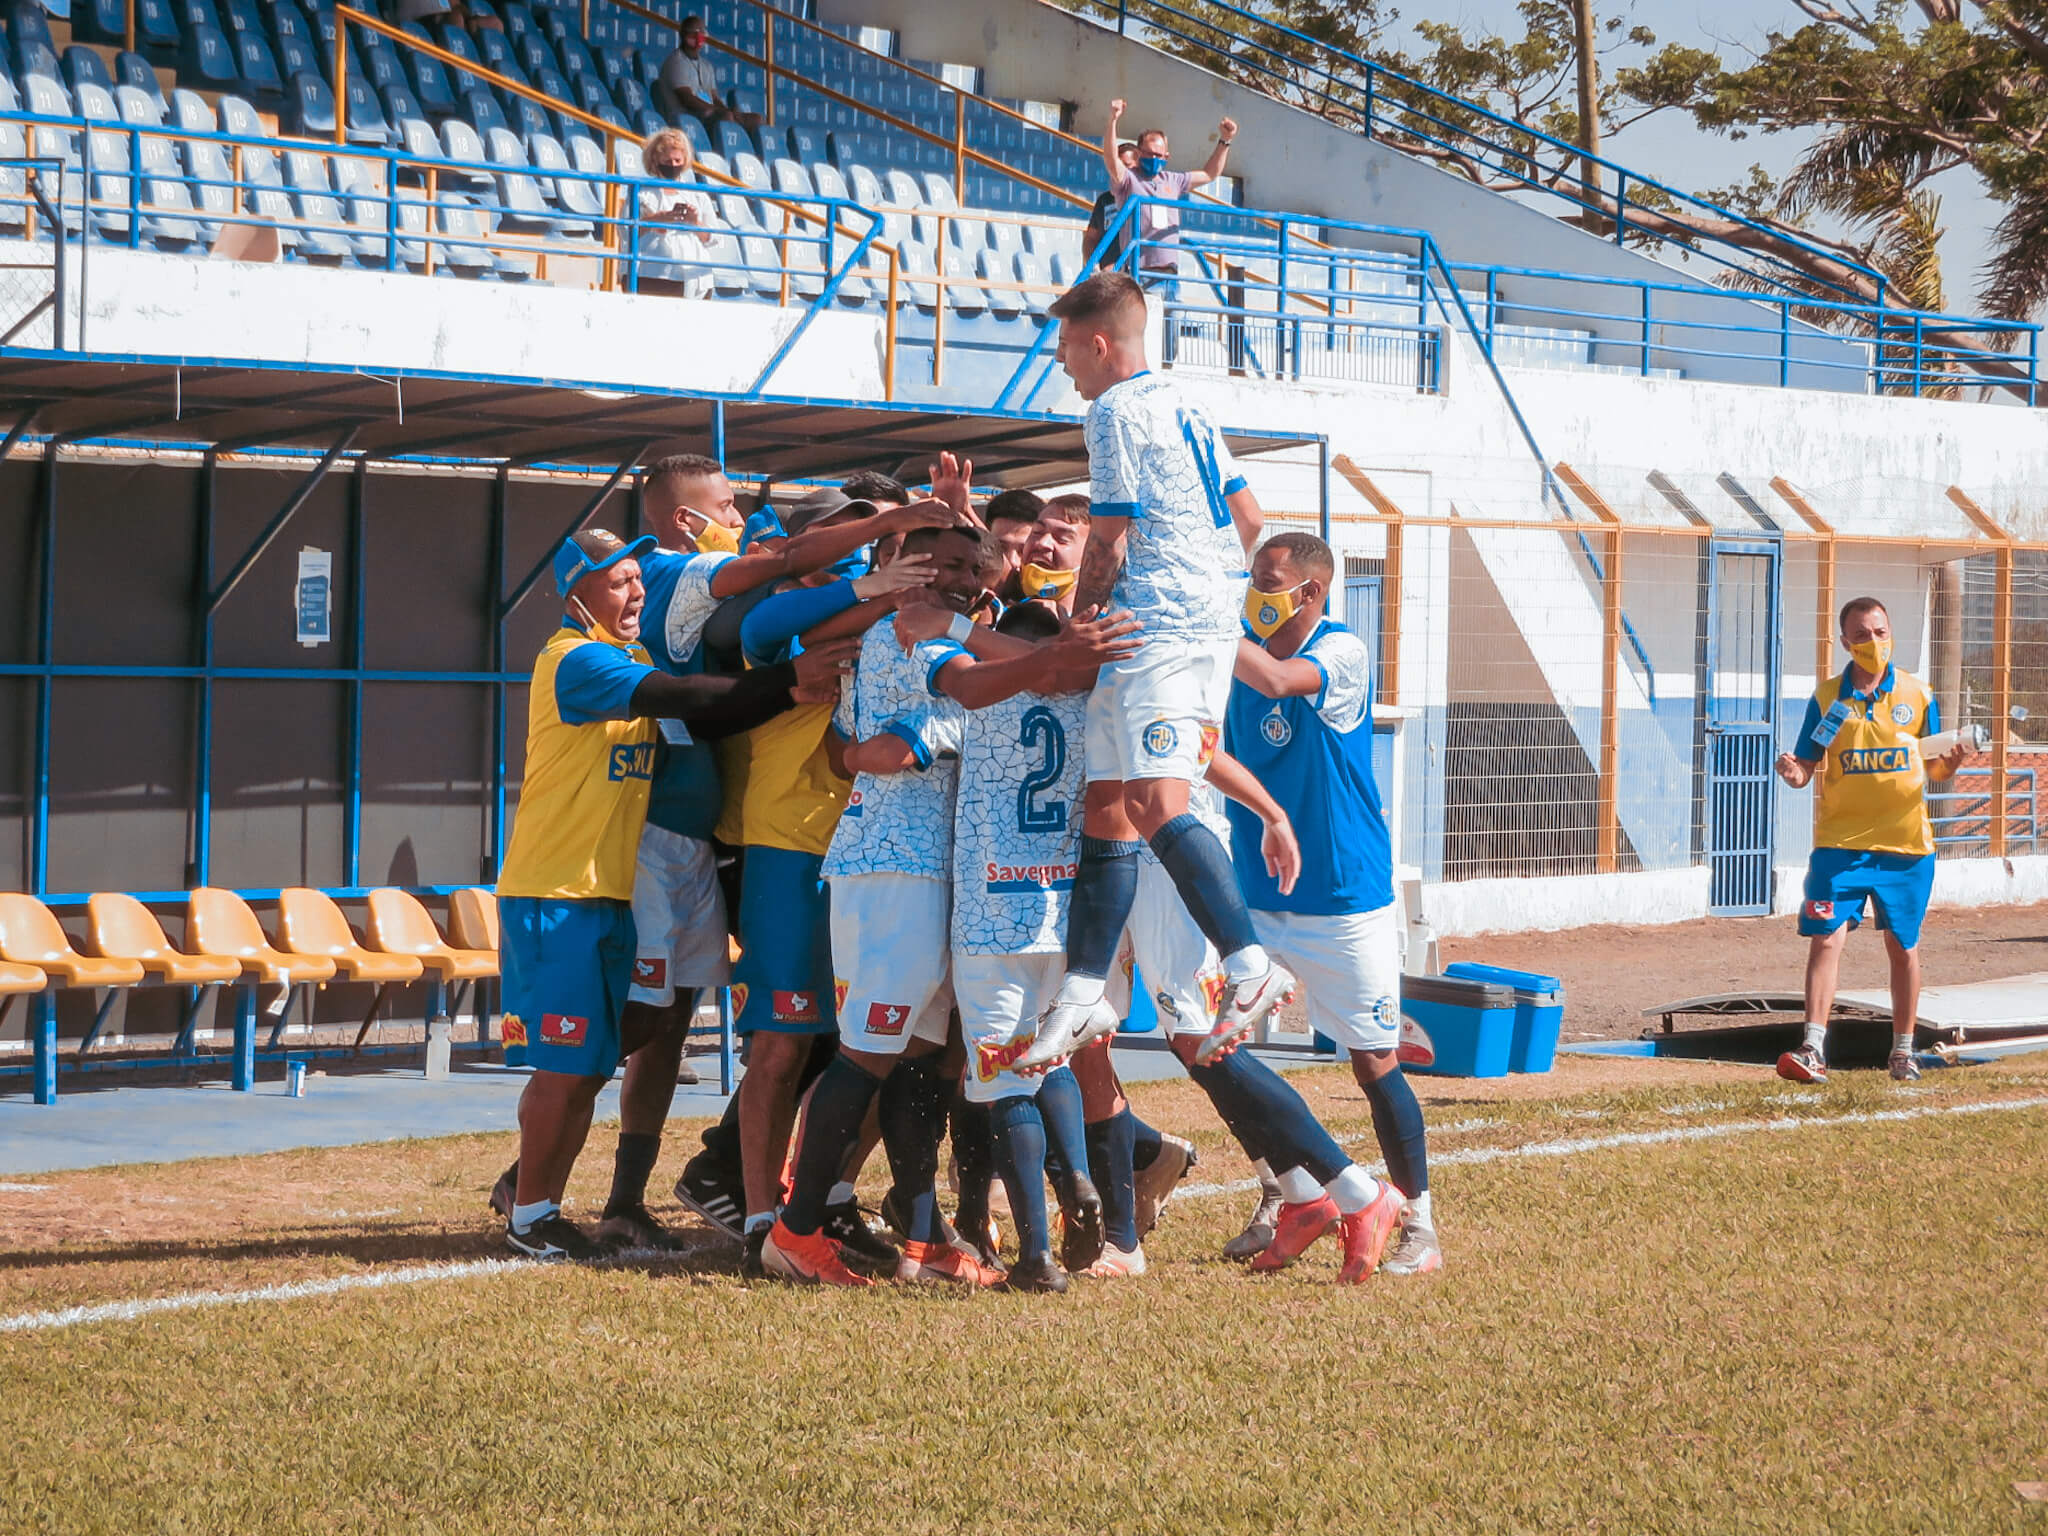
[(1059, 1027), (1102, 1022), (1243, 1009), (1115, 1264), (1417, 1253)]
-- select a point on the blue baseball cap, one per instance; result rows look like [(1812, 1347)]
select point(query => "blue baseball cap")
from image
[(594, 549)]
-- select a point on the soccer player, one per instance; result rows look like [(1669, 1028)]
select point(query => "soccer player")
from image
[(1301, 721), (1873, 842), (1012, 516), (1172, 524), (565, 890)]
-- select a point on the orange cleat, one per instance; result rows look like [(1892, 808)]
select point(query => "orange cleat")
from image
[(943, 1264), (1297, 1227), (1365, 1235), (807, 1260)]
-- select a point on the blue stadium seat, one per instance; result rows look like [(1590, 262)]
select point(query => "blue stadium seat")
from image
[(461, 142), (496, 51), (430, 81), (137, 108), (132, 69), (156, 26), (309, 107), (524, 118), (733, 140), (456, 41), (900, 189), (256, 67), (552, 83), (576, 58), (700, 141), (997, 266), (366, 121), (285, 20), (864, 185), (534, 55), (82, 66), (806, 145), (210, 177), (190, 113), (400, 107), (518, 20), (38, 59), (1032, 268), (295, 57), (27, 22), (313, 203), (576, 197), (590, 94), (100, 21), (481, 109), (647, 122), (171, 221)]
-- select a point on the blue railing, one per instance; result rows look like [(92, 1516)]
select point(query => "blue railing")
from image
[(1963, 817)]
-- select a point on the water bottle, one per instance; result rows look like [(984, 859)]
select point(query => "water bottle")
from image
[(1974, 737)]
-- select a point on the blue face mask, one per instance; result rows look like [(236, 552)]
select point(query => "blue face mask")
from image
[(1151, 165)]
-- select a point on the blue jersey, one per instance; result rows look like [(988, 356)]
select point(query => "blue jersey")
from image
[(687, 796), (1314, 755)]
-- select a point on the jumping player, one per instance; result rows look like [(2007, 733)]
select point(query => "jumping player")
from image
[(1172, 525), (1873, 842), (1301, 721)]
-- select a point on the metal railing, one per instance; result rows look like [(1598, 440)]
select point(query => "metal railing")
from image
[(31, 289), (1965, 818)]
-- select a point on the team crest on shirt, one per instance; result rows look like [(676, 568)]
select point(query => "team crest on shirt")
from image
[(1160, 738), (1275, 729), (1819, 911), (512, 1029), (739, 998), (887, 1018), (563, 1029), (1901, 713), (795, 1007), (650, 971)]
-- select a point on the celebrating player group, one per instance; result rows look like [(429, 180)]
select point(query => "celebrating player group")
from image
[(962, 775)]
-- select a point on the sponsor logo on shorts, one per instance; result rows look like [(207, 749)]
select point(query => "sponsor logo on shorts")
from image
[(795, 1007), (1212, 991), (1416, 1049), (650, 971), (1275, 729), (739, 998), (512, 1028), (631, 762), (1876, 759), (1901, 713), (1212, 735), (1161, 738), (995, 1057), (887, 1018), (563, 1029), (1819, 911)]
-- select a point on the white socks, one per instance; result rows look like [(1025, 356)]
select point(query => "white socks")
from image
[(1298, 1186), (1243, 965), (524, 1216), (1416, 1213), (1353, 1189), (1081, 991), (1902, 1044), (1816, 1037)]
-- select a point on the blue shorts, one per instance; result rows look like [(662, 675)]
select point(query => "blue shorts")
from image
[(1840, 880), (567, 965), (783, 982)]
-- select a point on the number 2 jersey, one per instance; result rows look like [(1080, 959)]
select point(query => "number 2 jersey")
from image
[(1017, 824)]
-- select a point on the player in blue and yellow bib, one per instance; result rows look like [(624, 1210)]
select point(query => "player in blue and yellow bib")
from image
[(1872, 842), (565, 891)]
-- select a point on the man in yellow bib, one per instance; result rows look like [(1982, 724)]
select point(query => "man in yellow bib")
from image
[(565, 891), (1873, 843)]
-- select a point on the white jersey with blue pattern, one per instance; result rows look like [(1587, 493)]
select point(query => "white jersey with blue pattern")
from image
[(679, 604), (899, 823), (1158, 460), (1017, 825)]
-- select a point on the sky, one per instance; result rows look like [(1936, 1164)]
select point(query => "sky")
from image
[(1670, 148)]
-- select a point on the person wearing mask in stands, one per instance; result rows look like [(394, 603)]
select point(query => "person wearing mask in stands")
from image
[(678, 221), (1159, 224), (1104, 211), (689, 82)]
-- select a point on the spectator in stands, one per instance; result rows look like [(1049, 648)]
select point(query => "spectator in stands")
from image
[(672, 252), (1105, 209), (689, 82), (1159, 226)]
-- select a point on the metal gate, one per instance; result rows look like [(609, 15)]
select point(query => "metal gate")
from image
[(1741, 721)]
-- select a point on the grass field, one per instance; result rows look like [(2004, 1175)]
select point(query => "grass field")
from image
[(1720, 1324)]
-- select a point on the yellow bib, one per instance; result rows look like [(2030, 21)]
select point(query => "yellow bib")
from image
[(781, 791), (1873, 784)]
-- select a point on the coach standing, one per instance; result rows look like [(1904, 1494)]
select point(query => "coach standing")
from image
[(1873, 842), (566, 888)]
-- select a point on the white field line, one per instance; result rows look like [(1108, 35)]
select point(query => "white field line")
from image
[(420, 1274)]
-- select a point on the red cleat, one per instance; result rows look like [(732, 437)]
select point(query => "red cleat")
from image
[(943, 1264), (1297, 1227), (808, 1260), (1366, 1233)]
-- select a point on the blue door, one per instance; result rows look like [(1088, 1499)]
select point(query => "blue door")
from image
[(1741, 721)]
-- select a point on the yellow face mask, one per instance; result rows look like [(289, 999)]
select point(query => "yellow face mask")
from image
[(717, 539), (1266, 612), (595, 630), (1873, 656), (1040, 582)]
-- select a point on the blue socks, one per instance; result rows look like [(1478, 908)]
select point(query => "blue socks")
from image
[(1200, 867), (974, 1157), (1020, 1159), (1110, 1166), (1397, 1122), (1248, 1093), (1105, 886), (1059, 1106), (831, 1127), (912, 1112)]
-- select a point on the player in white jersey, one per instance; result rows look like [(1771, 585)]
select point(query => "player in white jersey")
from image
[(1172, 524)]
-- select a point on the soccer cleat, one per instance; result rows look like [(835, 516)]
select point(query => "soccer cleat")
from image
[(1903, 1068), (1365, 1235), (717, 1200), (812, 1259), (1059, 1027), (686, 1075), (1115, 1264), (943, 1264), (635, 1228), (1038, 1273), (1803, 1066), (505, 1191), (1081, 1231), (860, 1245), (1416, 1254), (1257, 1235), (1247, 1004), (553, 1239), (1101, 1024), (1153, 1184), (1298, 1226)]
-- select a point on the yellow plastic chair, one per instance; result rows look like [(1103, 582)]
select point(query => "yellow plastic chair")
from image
[(309, 923), (219, 922), (31, 935), (400, 925), (17, 980), (122, 928), (473, 918), (28, 981)]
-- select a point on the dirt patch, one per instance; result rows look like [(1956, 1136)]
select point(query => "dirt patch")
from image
[(1611, 974)]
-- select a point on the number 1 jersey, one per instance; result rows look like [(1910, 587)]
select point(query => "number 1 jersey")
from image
[(1017, 824)]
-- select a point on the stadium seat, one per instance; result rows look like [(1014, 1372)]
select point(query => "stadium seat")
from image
[(481, 110), (968, 298), (256, 66), (37, 59), (733, 141), (136, 72), (219, 923), (14, 199), (463, 144), (366, 121), (309, 923), (31, 935), (400, 108), (574, 195), (310, 107), (83, 66), (399, 925), (211, 176), (524, 205), (453, 39), (296, 58), (473, 918), (996, 267), (169, 220), (21, 980), (313, 193), (900, 190), (137, 109), (207, 58), (27, 21), (191, 114), (864, 185), (119, 927), (430, 83), (524, 119), (1033, 269)]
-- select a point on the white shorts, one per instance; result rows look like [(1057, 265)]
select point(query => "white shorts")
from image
[(1159, 714), (679, 914), (892, 957), (1180, 966), (1349, 966), (1001, 997)]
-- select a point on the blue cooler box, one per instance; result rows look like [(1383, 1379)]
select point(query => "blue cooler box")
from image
[(1539, 1012), (1455, 1027)]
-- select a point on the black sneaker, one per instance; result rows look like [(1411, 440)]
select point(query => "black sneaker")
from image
[(505, 1191), (751, 1267), (719, 1201), (860, 1245), (553, 1239), (635, 1228), (1037, 1273), (1081, 1234)]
